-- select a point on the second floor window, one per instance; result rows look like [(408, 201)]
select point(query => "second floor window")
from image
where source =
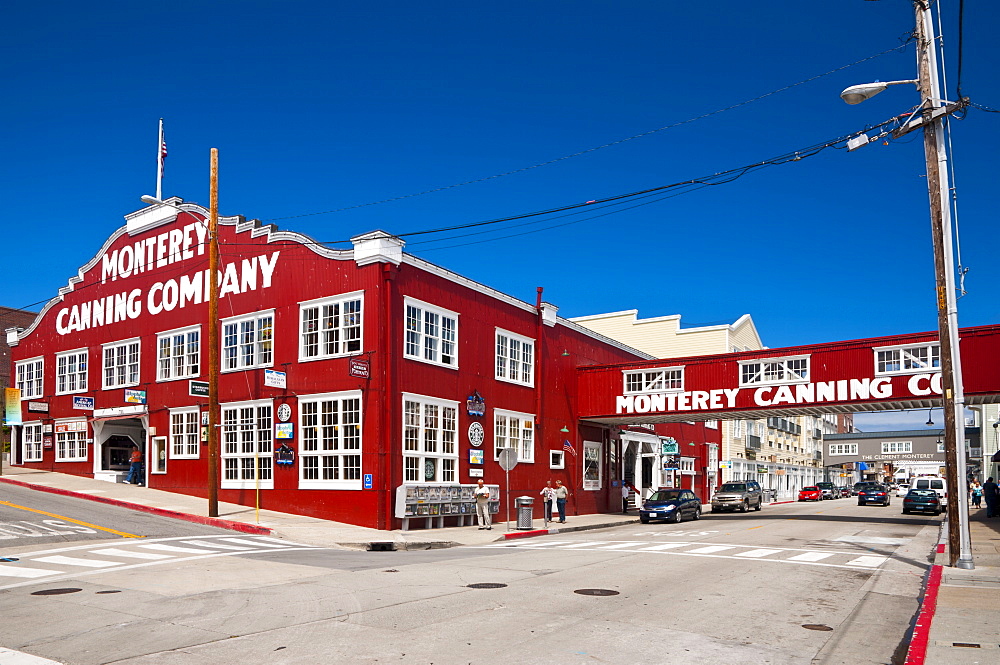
[(515, 360), (774, 370), (248, 342), (654, 380), (330, 327), (178, 354), (121, 364), (71, 372), (908, 359), (431, 334), (29, 378), (897, 447)]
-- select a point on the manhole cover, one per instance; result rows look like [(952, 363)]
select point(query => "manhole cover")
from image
[(816, 626), (8, 559), (109, 591), (596, 592), (54, 592), (486, 585)]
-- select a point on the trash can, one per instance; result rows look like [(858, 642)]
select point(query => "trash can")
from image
[(524, 506)]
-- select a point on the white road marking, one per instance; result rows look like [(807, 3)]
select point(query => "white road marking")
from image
[(868, 561), (872, 540), (216, 546), (11, 657), (619, 546), (711, 549), (173, 548), (15, 571), (255, 543), (756, 554), (128, 554), (73, 561), (546, 543), (583, 544), (665, 546), (811, 556)]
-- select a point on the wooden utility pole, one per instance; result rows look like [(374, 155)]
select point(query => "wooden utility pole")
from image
[(213, 337)]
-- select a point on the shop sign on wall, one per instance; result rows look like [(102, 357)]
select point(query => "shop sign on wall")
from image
[(284, 430), (477, 456), (135, 396)]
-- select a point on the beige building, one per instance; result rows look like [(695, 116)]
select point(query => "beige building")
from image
[(783, 454)]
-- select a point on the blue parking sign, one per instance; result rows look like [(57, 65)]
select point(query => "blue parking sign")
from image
[(368, 481)]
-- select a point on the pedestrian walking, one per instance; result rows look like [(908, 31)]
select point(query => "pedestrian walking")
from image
[(562, 493), (135, 466), (482, 496), (977, 494), (992, 496), (548, 496)]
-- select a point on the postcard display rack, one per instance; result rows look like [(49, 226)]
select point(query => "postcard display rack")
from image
[(436, 503)]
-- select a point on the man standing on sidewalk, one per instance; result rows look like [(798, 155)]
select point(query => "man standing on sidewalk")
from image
[(135, 466), (482, 496), (992, 497)]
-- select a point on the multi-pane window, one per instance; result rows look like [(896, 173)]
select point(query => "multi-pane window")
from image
[(121, 364), (897, 447), (515, 358), (330, 327), (330, 449), (247, 445), (908, 359), (28, 377), (431, 334), (430, 436), (514, 430), (71, 372), (591, 465), (248, 341), (843, 449), (71, 441), (712, 424), (178, 354), (657, 380), (31, 442), (185, 433), (774, 370)]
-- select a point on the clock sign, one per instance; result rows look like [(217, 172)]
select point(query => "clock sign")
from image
[(284, 412), (476, 434)]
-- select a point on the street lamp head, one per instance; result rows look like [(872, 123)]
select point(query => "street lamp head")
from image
[(152, 200), (859, 93)]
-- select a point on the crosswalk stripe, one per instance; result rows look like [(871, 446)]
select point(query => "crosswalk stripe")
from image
[(756, 554), (544, 544), (868, 561), (711, 549), (664, 546), (284, 543), (584, 544), (811, 556), (14, 571), (73, 561), (218, 546), (619, 546), (173, 548), (128, 554), (255, 543)]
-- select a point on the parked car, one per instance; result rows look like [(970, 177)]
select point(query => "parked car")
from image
[(811, 493), (738, 495), (924, 501), (902, 489), (874, 494), (829, 490), (670, 505), (845, 492), (939, 485)]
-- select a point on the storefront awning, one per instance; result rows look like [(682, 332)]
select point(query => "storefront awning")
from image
[(107, 418)]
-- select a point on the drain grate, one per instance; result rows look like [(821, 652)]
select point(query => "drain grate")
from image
[(816, 626), (383, 546), (596, 592), (54, 592), (967, 645), (486, 585)]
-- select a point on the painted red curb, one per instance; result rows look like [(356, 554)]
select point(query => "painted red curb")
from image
[(197, 519), (526, 534), (940, 548), (917, 652), (775, 503)]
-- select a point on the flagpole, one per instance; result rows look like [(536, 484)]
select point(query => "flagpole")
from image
[(159, 164)]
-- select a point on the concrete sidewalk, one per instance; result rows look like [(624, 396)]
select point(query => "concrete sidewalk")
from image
[(308, 530)]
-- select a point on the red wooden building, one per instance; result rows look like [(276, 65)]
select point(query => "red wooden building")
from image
[(366, 369)]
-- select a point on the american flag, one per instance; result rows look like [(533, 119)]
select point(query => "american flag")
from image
[(568, 447), (163, 151)]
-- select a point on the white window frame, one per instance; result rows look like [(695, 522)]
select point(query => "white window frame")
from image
[(328, 440), (505, 436), (430, 434), (32, 442), (427, 341), (67, 360), (842, 449), (118, 368), (557, 459), (515, 358), (786, 370), (336, 333), (29, 377), (175, 362), (895, 447), (592, 449), (75, 439), (653, 380), (687, 466), (236, 344), (906, 358), (185, 433), (158, 445), (233, 435), (712, 424)]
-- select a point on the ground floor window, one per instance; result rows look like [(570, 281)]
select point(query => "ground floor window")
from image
[(247, 445), (31, 442), (514, 430), (430, 451), (71, 441), (330, 431), (185, 433), (591, 465)]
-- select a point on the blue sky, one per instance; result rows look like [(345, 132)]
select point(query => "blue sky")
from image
[(319, 106)]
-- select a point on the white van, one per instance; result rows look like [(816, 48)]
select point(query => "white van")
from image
[(932, 483)]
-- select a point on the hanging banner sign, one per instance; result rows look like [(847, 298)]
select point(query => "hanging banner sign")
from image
[(12, 406), (359, 368), (135, 396), (82, 403), (275, 379)]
